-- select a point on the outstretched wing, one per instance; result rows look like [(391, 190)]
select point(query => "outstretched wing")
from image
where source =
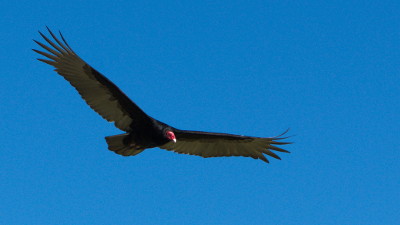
[(206, 145), (100, 94)]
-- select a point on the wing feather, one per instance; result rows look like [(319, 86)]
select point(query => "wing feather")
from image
[(206, 145), (100, 94)]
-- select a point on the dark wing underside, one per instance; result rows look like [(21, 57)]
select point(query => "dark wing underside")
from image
[(100, 94), (206, 145)]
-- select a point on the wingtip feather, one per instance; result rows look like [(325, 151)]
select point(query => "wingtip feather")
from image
[(263, 158)]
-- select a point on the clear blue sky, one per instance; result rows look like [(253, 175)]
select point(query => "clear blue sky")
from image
[(328, 71)]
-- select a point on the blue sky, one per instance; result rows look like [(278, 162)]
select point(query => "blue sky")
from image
[(329, 71)]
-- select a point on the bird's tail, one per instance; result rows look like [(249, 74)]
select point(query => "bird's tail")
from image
[(118, 145)]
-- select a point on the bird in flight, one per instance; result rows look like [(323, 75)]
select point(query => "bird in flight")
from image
[(141, 130)]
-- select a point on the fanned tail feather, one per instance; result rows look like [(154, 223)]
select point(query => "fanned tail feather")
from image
[(117, 144)]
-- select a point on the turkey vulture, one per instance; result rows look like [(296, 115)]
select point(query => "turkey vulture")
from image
[(143, 131)]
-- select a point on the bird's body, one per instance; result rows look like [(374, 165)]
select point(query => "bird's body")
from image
[(143, 131)]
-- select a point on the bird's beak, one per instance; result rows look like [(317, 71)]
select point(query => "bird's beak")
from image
[(174, 140)]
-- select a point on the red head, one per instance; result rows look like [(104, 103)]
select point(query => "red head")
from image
[(170, 135)]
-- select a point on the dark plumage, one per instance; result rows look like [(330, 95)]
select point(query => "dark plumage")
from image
[(142, 131)]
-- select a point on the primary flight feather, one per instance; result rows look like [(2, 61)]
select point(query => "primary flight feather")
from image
[(143, 131)]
